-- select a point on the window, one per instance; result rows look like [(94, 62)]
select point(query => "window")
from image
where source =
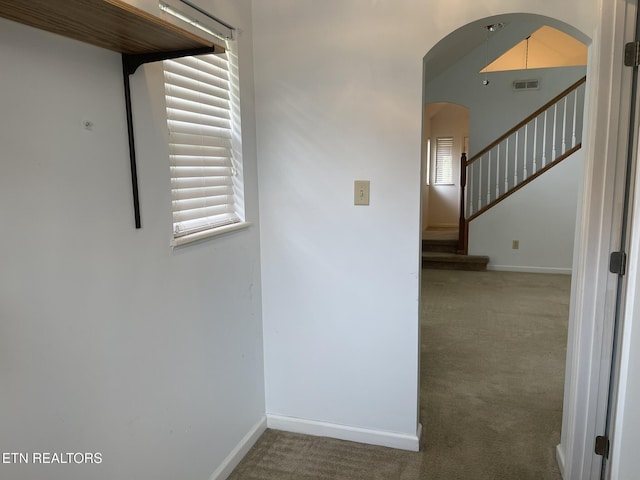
[(444, 160), (203, 120)]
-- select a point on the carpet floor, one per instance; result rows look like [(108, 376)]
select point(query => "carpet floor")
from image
[(492, 376)]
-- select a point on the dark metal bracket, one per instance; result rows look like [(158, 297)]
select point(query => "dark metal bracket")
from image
[(130, 63)]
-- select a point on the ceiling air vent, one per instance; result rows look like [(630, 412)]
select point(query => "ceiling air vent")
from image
[(519, 85)]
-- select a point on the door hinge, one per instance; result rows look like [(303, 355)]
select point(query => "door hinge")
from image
[(618, 263), (602, 446), (632, 54)]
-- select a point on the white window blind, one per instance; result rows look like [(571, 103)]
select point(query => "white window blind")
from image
[(204, 132), (444, 160)]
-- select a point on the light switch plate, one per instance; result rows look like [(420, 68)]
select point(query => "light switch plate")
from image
[(361, 192)]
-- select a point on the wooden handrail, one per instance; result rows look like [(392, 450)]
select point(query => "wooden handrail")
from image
[(527, 120)]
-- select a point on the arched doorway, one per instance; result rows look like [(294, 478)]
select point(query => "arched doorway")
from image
[(455, 54)]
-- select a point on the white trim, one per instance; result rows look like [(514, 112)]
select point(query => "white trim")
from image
[(237, 454), (598, 226), (212, 232), (343, 432), (560, 460), (622, 406), (518, 268)]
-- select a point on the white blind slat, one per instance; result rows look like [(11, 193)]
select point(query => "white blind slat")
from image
[(180, 150), (203, 192), (200, 171), (178, 140), (187, 105), (198, 213), (219, 202), (199, 129), (193, 160), (198, 182), (182, 86)]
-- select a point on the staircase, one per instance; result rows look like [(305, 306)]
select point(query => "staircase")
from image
[(529, 149), (440, 251)]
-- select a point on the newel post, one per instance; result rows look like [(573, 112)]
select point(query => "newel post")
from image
[(462, 224)]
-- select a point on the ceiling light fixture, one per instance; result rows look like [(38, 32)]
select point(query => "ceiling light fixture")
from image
[(494, 27)]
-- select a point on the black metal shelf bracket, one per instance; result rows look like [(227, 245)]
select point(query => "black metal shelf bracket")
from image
[(130, 63)]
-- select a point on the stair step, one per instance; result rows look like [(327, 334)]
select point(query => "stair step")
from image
[(440, 245), (450, 261)]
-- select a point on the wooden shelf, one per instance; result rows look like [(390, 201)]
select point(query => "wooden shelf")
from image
[(115, 25), (111, 24)]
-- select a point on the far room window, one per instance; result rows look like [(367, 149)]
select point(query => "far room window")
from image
[(444, 161), (203, 120)]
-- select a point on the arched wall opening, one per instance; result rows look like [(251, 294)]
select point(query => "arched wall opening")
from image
[(452, 75)]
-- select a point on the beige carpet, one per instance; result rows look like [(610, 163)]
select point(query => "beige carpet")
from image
[(493, 352)]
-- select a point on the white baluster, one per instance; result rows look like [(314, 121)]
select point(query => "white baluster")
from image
[(480, 184), (489, 178), (555, 120), (470, 189), (515, 162), (575, 111), (497, 170), (544, 140), (524, 162), (535, 144), (564, 127), (506, 166)]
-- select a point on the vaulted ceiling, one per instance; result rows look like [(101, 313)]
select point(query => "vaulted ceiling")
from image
[(472, 36)]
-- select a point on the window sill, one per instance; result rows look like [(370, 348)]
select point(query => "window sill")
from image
[(214, 232)]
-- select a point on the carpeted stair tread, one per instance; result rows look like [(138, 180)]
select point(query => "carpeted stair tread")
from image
[(440, 245), (452, 261)]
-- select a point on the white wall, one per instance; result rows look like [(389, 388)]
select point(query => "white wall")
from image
[(541, 216), (339, 98), (110, 341), (341, 294)]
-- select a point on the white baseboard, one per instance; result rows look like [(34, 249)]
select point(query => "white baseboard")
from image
[(516, 268), (239, 451), (343, 432), (560, 460)]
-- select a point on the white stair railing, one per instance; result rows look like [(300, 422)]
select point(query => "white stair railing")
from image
[(546, 137)]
